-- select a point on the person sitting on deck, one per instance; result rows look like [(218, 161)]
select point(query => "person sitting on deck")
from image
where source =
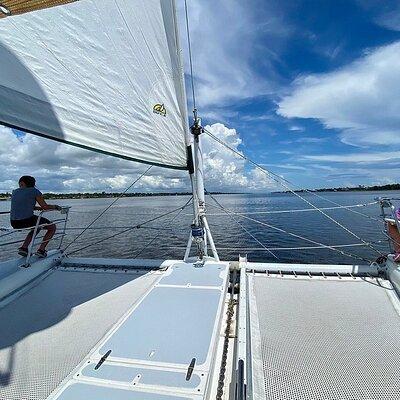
[(395, 236), (23, 201)]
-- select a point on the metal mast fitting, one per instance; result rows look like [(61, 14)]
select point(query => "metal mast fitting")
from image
[(200, 232)]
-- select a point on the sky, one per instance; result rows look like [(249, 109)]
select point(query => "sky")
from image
[(308, 89)]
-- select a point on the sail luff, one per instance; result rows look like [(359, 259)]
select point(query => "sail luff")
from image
[(107, 81), (181, 80)]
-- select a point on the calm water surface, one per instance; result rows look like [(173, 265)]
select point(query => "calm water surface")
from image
[(166, 238)]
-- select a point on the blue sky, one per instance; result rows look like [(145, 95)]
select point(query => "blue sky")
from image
[(308, 85), (309, 89)]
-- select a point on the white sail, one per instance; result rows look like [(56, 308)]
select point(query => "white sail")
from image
[(100, 74)]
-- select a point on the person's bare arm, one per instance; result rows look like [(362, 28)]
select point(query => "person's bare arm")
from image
[(44, 206)]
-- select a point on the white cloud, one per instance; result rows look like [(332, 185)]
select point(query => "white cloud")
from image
[(63, 168), (391, 19), (359, 158), (225, 37), (286, 166), (296, 128), (226, 170), (386, 14), (361, 99)]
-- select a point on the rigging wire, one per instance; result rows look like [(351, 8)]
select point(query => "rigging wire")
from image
[(394, 241), (294, 234), (274, 177), (108, 207), (159, 233), (99, 228), (242, 227), (298, 210), (128, 229), (280, 178), (57, 235), (267, 172), (190, 54)]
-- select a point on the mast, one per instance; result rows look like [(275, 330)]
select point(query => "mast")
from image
[(200, 232)]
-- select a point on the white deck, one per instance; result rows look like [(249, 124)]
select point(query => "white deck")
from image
[(53, 326), (153, 330), (154, 322)]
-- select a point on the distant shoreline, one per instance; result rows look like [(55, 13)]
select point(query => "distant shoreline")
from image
[(105, 195), (375, 188)]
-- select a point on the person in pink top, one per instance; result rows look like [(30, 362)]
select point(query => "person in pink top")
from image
[(395, 236)]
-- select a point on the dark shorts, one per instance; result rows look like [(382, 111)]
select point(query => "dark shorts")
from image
[(28, 222)]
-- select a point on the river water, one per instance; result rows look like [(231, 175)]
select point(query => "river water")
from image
[(167, 237)]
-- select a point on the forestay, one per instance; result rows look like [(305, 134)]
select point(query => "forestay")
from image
[(104, 75)]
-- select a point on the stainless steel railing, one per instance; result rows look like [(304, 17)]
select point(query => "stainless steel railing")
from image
[(64, 211)]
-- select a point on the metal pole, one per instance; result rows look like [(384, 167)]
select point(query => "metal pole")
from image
[(30, 247), (198, 160), (195, 199), (206, 245), (385, 228), (188, 247), (66, 211), (386, 203), (197, 130), (210, 238)]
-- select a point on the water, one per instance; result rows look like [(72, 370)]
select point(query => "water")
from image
[(172, 234)]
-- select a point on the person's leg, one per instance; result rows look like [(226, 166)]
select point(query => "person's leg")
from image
[(27, 240), (51, 230), (23, 224), (395, 235)]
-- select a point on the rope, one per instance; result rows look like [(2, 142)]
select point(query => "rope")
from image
[(243, 228), (190, 54), (230, 312), (297, 236), (279, 181), (127, 230), (109, 206)]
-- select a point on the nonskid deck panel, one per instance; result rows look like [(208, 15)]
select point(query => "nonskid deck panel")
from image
[(55, 324), (150, 353), (324, 338)]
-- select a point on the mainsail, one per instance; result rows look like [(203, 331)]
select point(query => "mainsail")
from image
[(104, 75)]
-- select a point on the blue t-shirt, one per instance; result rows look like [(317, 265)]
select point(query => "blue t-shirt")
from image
[(23, 201)]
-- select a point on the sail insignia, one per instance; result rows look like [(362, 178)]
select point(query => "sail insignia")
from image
[(15, 7), (160, 109)]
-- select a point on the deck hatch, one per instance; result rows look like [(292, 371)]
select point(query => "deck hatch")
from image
[(148, 376), (174, 323), (82, 391), (208, 274)]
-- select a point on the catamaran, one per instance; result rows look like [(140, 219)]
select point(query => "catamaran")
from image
[(107, 76)]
